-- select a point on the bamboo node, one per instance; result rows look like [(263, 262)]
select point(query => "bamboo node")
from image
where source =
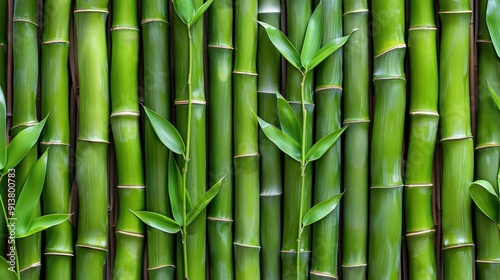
[(154, 20), (396, 47), (125, 113), (485, 146), (220, 219), (53, 143), (300, 103), (430, 27), (25, 20), (30, 266), (91, 247), (425, 113), (388, 78), (160, 266), (49, 42), (484, 41), (354, 265), (488, 261), (247, 155), (130, 187), (59, 254), (387, 187), (93, 140), (323, 274), (356, 121), (186, 102), (117, 28), (266, 92), (271, 194), (323, 88), (423, 185), (91, 11), (128, 233), (27, 124), (220, 47), (421, 232), (455, 138), (458, 246), (244, 73), (247, 246), (456, 12), (356, 12)]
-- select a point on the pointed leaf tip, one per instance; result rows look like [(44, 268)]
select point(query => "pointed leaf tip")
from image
[(202, 203), (284, 142), (282, 44), (322, 146), (166, 132), (325, 52), (321, 210), (287, 118), (158, 221), (486, 199), (313, 37), (184, 9), (199, 13)]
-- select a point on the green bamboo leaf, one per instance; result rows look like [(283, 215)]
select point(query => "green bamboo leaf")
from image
[(166, 132), (312, 40), (320, 148), (288, 119), (184, 9), (3, 130), (493, 95), (174, 190), (325, 52), (7, 270), (320, 210), (284, 46), (22, 144), (200, 12), (284, 142), (44, 222), (204, 201), (30, 195), (493, 23), (158, 221), (486, 199)]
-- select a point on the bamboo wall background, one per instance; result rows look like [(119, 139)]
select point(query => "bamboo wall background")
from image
[(111, 169)]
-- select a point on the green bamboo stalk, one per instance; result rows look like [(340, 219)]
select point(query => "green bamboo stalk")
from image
[(328, 168), (55, 100), (92, 144), (420, 227), (3, 44), (126, 133), (25, 48), (487, 154), (298, 14), (246, 150), (190, 114), (456, 139), (356, 115), (386, 189), (155, 32), (271, 182), (220, 210)]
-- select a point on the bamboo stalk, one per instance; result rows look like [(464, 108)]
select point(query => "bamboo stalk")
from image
[(25, 52), (271, 182), (386, 189), (298, 14), (3, 44), (220, 210), (92, 144), (190, 114), (327, 171), (126, 133), (55, 100), (487, 154), (160, 245), (356, 115), (246, 150), (456, 139)]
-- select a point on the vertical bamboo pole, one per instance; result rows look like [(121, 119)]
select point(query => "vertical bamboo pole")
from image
[(298, 14), (92, 144), (246, 150), (155, 32), (55, 100), (126, 133), (3, 44), (271, 191), (386, 190), (487, 154), (356, 115), (456, 139), (25, 51), (328, 168), (420, 228), (220, 210)]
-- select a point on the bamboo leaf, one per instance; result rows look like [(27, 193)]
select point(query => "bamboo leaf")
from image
[(284, 46), (7, 270), (288, 119), (204, 201), (184, 9), (166, 132), (320, 210), (486, 199), (30, 195), (158, 221), (493, 95), (312, 39), (493, 23), (174, 190), (320, 148), (22, 144), (284, 142), (44, 222), (325, 52), (200, 12), (3, 130)]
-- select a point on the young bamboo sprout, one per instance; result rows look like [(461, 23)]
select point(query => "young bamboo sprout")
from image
[(356, 115), (420, 227), (292, 138), (126, 133), (220, 211), (155, 32), (386, 190), (92, 143), (55, 100), (328, 168), (456, 139), (271, 182)]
